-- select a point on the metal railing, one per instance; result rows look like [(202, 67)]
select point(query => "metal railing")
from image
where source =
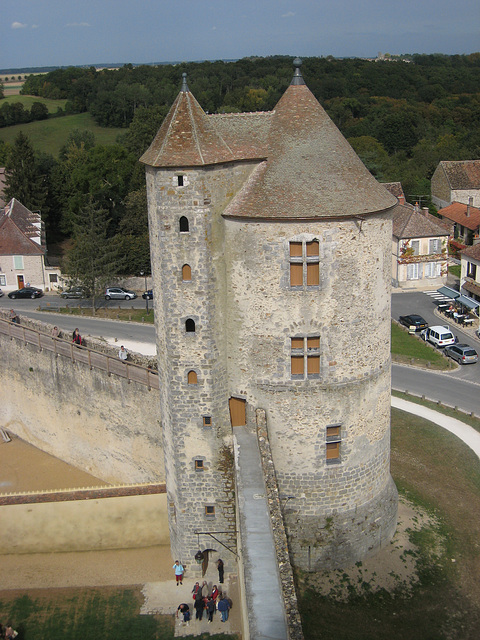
[(94, 359)]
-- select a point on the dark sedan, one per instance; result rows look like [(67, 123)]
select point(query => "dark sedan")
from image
[(148, 295), (413, 322), (26, 292)]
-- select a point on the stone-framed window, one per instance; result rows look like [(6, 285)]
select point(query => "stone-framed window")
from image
[(207, 421), (192, 377), (209, 511), (3, 280), (333, 438), (304, 259), (186, 273), (471, 270), (305, 357), (190, 325), (413, 271), (184, 225), (180, 180), (18, 262), (434, 245), (433, 269), (199, 464)]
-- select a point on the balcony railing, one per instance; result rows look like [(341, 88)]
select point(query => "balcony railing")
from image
[(94, 359)]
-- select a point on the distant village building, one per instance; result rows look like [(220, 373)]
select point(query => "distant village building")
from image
[(456, 181), (271, 256), (470, 272), (464, 220), (23, 250), (419, 245)]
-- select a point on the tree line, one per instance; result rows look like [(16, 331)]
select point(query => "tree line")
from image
[(401, 117)]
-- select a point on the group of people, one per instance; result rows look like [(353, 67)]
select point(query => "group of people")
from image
[(7, 631), (206, 601)]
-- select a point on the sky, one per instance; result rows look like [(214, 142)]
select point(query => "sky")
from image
[(37, 33)]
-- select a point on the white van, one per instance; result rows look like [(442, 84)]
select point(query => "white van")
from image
[(439, 336)]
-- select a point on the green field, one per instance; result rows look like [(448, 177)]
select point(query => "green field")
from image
[(27, 102), (50, 135)]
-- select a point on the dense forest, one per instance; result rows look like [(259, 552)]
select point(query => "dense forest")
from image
[(402, 117)]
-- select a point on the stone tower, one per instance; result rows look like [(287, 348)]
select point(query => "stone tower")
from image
[(270, 248)]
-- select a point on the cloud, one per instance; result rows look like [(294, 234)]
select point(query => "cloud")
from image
[(290, 14), (35, 26), (78, 24), (18, 25)]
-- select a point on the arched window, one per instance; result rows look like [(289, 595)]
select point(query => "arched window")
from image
[(190, 325), (184, 224), (186, 273), (192, 377)]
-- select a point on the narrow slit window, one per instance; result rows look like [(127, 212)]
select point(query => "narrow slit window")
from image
[(192, 377), (180, 181), (186, 273), (190, 325), (184, 226)]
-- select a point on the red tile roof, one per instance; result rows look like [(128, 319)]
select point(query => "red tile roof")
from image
[(457, 211)]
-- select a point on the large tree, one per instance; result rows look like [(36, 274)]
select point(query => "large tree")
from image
[(23, 178), (92, 262)]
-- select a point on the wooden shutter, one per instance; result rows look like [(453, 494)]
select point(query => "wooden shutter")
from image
[(296, 274), (192, 377), (297, 343), (296, 249), (313, 364), (297, 365), (313, 248), (313, 343), (186, 272), (333, 450), (313, 274)]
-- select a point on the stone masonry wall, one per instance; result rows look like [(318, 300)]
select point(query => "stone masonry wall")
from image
[(188, 438), (100, 424)]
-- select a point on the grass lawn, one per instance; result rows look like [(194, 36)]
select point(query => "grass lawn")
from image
[(50, 135), (81, 614), (27, 102), (436, 471), (411, 349), (455, 270), (127, 315)]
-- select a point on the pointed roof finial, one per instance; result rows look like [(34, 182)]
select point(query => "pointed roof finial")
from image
[(184, 88), (297, 76)]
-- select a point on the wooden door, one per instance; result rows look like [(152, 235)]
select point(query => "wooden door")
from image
[(20, 282), (238, 415)]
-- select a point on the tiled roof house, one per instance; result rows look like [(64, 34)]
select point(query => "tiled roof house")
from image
[(22, 250), (464, 220), (470, 271), (456, 181)]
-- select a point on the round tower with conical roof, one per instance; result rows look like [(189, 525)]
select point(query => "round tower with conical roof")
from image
[(270, 247)]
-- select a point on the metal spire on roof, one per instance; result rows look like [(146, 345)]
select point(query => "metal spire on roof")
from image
[(297, 76), (184, 88)]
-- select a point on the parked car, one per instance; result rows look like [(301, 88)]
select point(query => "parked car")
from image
[(26, 292), (439, 336), (119, 293), (148, 294), (75, 292), (414, 322), (462, 353)]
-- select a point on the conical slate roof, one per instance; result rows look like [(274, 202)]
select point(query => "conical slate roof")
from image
[(306, 167), (186, 137)]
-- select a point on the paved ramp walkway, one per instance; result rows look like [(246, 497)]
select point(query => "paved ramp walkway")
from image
[(264, 598), (465, 432)]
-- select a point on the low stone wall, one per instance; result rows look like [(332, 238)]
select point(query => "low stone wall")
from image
[(285, 568), (84, 520)]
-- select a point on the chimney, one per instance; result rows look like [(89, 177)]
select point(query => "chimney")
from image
[(401, 199), (425, 211), (470, 204)]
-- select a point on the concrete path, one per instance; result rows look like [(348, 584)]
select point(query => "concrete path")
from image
[(262, 581), (470, 436)]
